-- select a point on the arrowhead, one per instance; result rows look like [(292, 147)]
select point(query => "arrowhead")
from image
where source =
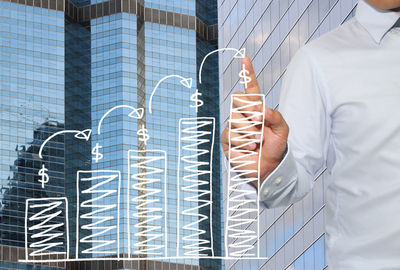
[(84, 134), (187, 82), (240, 53), (136, 113)]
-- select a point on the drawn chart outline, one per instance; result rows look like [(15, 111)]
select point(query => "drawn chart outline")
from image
[(197, 173)]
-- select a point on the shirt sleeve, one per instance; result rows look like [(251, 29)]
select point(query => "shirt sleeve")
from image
[(303, 104)]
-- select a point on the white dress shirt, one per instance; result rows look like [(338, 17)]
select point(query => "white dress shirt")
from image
[(341, 99)]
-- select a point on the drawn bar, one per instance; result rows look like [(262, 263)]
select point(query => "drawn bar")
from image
[(46, 229), (242, 219), (147, 203), (97, 219), (194, 182)]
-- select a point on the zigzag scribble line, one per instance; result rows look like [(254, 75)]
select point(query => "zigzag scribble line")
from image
[(96, 221), (45, 217), (150, 218), (242, 210), (195, 243)]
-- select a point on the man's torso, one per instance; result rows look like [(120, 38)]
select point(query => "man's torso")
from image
[(362, 80)]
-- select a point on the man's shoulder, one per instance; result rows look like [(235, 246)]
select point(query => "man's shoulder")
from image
[(343, 37), (330, 49)]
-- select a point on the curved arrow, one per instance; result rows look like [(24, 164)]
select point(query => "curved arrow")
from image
[(135, 113), (84, 134), (239, 54), (187, 82)]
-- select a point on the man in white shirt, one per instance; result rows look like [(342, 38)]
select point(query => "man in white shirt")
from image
[(340, 97)]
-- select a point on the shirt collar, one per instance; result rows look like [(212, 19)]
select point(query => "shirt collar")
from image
[(376, 21)]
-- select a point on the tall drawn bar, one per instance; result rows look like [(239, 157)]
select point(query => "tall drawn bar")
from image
[(98, 202), (147, 203), (242, 219), (194, 182)]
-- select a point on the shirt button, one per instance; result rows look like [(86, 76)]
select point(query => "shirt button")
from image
[(278, 180), (395, 31), (265, 191)]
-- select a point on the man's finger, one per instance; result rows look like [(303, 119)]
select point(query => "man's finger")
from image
[(252, 85), (274, 120), (242, 124), (244, 141), (237, 140), (224, 136)]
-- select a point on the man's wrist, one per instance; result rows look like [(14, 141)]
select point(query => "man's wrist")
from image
[(272, 165)]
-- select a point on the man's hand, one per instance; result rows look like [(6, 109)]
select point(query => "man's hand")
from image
[(274, 136)]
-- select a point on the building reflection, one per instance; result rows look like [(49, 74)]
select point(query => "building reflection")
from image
[(24, 182)]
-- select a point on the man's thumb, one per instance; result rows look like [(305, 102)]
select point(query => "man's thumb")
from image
[(274, 120)]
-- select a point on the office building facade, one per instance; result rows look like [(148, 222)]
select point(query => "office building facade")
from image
[(32, 108), (272, 31), (64, 64)]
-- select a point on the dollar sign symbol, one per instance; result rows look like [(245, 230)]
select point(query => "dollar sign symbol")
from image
[(143, 136), (243, 74), (44, 175), (195, 98), (96, 153)]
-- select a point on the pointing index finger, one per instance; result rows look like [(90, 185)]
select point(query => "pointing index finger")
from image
[(252, 85)]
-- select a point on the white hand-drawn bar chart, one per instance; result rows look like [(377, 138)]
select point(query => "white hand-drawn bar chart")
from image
[(129, 213)]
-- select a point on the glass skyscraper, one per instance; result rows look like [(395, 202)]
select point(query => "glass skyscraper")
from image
[(32, 108), (64, 64), (272, 31)]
